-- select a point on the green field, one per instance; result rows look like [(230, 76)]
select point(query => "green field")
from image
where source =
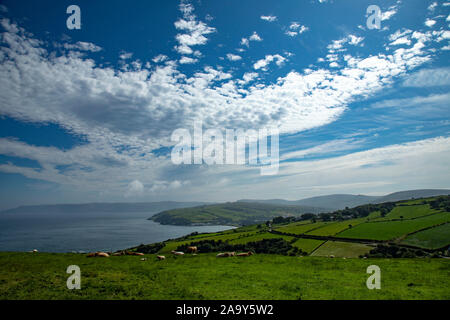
[(258, 237), (433, 238), (388, 230), (333, 228), (341, 249), (43, 276), (409, 212), (300, 227), (307, 245)]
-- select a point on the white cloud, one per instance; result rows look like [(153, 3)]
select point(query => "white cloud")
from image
[(195, 30), (376, 171), (354, 40), (431, 100), (188, 60), (269, 18), (429, 23), (135, 188), (125, 55), (255, 37), (325, 148), (338, 45), (126, 114), (160, 58), (82, 46), (245, 42), (233, 57), (429, 78), (296, 28), (248, 77), (291, 33), (432, 6), (386, 15), (263, 63)]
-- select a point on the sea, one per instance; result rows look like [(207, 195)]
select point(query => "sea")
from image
[(86, 232)]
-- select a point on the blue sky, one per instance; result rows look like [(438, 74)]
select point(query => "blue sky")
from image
[(86, 115)]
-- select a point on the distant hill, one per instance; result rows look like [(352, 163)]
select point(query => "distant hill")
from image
[(322, 203), (150, 207), (337, 201), (232, 213), (406, 195), (340, 201)]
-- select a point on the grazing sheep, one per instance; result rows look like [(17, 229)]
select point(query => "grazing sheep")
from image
[(129, 253), (226, 254), (245, 254), (98, 254), (192, 249), (161, 258)]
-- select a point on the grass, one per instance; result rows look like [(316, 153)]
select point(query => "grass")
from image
[(433, 238), (307, 245), (409, 212), (387, 230), (300, 227), (259, 237), (341, 249), (43, 276), (334, 228)]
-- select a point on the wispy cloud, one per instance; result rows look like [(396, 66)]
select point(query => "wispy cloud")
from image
[(429, 78), (269, 18)]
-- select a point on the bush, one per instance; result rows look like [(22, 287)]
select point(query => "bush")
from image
[(270, 246)]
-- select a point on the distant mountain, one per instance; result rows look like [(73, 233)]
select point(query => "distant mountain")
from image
[(149, 207), (271, 201), (340, 201), (406, 195), (322, 203), (337, 201)]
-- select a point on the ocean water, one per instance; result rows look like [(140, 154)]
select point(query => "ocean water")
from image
[(86, 232)]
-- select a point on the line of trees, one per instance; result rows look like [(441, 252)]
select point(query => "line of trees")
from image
[(270, 246)]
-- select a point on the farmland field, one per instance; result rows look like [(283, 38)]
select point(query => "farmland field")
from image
[(387, 230), (433, 238), (307, 245), (408, 212), (341, 249), (258, 237), (300, 228), (334, 228)]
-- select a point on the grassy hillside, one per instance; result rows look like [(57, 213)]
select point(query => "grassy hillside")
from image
[(234, 214), (432, 238), (341, 249), (389, 230), (43, 276)]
